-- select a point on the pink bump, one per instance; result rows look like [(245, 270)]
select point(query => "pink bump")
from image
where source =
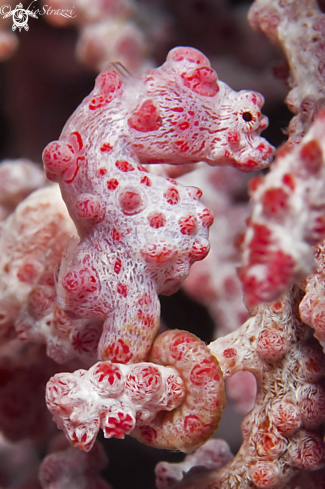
[(57, 157), (188, 225), (171, 195), (130, 200), (124, 166), (88, 207), (146, 118), (202, 81), (156, 220)]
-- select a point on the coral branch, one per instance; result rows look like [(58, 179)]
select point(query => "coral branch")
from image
[(72, 469), (299, 29), (213, 455), (281, 433), (32, 240), (287, 219)]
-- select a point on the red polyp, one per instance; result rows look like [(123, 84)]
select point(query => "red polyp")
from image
[(271, 344), (112, 184), (142, 168), (146, 181), (195, 193), (202, 373), (254, 184), (159, 253), (264, 475), (171, 195), (71, 172), (122, 289), (188, 54), (229, 353), (41, 299), (82, 281), (202, 81), (57, 157), (313, 314), (88, 207), (193, 424), (309, 452), (206, 218), (175, 390), (106, 88), (269, 20), (318, 229), (106, 147), (277, 307), (312, 156), (86, 341), (130, 200), (156, 220), (259, 244), (28, 272), (124, 166), (279, 271), (265, 149), (118, 426), (148, 434), (268, 444), (108, 372), (289, 181), (146, 118), (180, 344), (76, 140), (286, 417), (199, 251), (188, 225), (143, 382), (312, 406), (117, 266), (117, 352)]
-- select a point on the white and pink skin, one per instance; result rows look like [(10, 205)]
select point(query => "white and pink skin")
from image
[(140, 233)]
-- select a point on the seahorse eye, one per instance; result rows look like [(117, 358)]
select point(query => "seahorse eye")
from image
[(247, 116)]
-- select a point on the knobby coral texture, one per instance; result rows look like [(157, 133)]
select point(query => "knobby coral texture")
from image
[(85, 256), (290, 196)]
